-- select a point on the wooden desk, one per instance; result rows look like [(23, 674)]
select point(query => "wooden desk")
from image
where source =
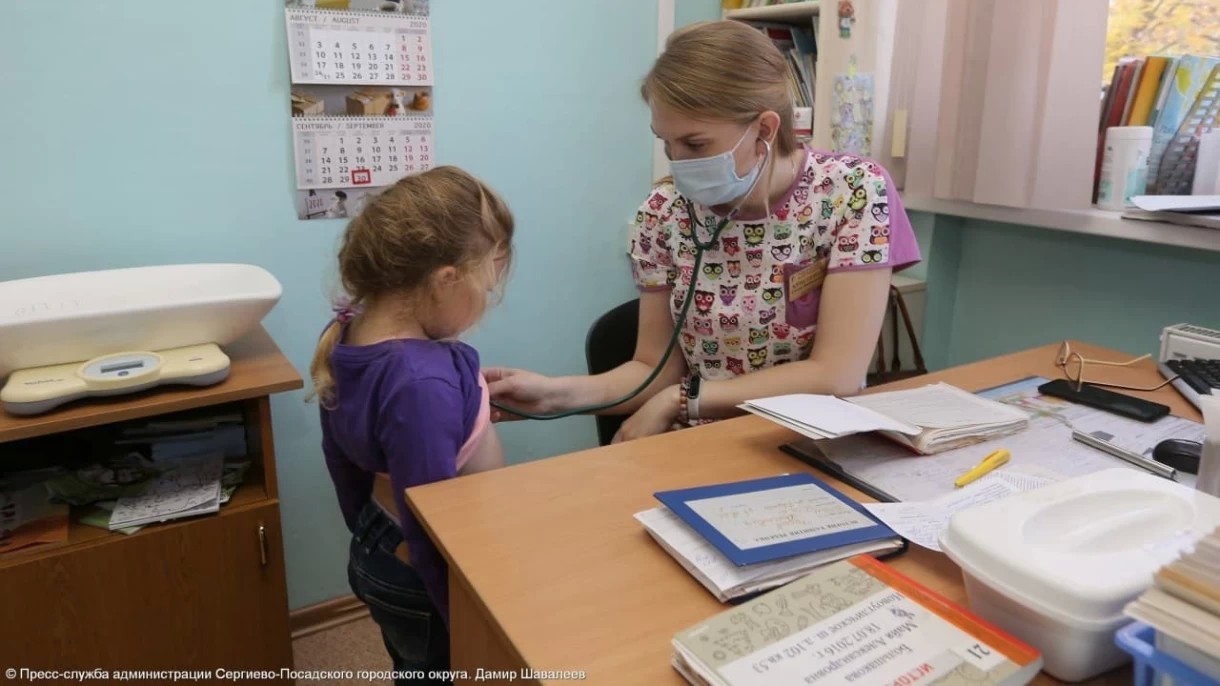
[(548, 569)]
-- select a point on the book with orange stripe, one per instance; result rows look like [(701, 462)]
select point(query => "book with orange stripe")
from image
[(856, 622)]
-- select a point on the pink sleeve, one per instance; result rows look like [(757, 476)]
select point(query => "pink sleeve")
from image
[(651, 241), (481, 424), (874, 230)]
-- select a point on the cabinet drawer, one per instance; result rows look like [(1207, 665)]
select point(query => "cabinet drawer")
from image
[(206, 595)]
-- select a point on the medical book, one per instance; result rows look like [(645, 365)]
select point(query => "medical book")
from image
[(929, 419), (728, 582), (857, 621), (773, 518)]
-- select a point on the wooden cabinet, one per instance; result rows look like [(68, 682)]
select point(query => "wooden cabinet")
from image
[(201, 593)]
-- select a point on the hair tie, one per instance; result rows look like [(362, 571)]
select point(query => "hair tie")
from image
[(345, 310)]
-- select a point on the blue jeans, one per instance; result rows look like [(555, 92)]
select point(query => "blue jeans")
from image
[(412, 629)]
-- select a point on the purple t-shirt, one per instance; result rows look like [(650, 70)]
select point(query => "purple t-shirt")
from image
[(403, 407)]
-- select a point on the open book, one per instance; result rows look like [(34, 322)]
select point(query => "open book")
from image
[(929, 419), (858, 621)]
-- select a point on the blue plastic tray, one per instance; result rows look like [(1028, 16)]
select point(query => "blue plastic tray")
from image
[(1139, 639)]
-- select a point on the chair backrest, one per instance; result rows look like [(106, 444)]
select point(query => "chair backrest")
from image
[(897, 309), (610, 343)]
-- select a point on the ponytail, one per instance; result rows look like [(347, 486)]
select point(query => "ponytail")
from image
[(319, 368)]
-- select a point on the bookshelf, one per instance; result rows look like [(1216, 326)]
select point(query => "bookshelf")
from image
[(788, 13), (804, 15)]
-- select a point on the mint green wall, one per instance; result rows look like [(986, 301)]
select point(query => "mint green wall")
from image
[(999, 288), (136, 132), (691, 11)]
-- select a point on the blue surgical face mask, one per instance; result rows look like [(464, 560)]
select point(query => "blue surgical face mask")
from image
[(714, 180)]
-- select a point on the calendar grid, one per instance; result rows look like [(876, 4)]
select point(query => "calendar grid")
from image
[(345, 152), (331, 47)]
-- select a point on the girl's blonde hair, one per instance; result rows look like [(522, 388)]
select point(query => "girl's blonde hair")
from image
[(723, 70), (443, 217)]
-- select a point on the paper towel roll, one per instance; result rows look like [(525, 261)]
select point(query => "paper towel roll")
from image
[(1207, 165)]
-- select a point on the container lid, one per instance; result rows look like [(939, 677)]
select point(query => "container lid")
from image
[(1080, 549), (1129, 132)]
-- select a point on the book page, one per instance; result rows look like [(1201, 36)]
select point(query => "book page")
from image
[(829, 414), (778, 515), (939, 406)]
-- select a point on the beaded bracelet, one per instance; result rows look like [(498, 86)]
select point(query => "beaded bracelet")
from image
[(683, 407)]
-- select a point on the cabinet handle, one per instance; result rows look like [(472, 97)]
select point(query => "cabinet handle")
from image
[(262, 543)]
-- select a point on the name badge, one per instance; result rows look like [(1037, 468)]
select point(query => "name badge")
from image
[(807, 279)]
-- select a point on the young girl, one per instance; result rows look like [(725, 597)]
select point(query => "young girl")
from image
[(401, 398)]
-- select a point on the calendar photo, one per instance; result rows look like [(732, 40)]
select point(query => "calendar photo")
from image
[(336, 203), (310, 100), (418, 7)]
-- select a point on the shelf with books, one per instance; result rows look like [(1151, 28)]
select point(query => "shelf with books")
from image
[(1090, 221), (791, 12)]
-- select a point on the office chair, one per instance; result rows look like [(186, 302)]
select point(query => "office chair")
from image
[(897, 309), (610, 343)]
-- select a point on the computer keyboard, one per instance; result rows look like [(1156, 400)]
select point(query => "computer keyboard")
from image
[(1195, 377)]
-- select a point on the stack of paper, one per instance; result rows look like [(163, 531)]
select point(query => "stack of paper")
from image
[(191, 487), (1184, 606), (1188, 210), (746, 537), (929, 419), (173, 439)]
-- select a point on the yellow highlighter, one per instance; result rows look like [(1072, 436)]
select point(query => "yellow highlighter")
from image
[(992, 461)]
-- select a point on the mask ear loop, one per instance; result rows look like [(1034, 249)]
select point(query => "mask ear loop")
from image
[(766, 201)]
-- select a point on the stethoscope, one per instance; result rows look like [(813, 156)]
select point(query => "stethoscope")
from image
[(700, 247)]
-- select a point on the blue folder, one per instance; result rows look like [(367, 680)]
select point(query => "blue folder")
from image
[(677, 501)]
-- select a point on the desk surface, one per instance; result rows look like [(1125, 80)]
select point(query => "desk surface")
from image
[(573, 582)]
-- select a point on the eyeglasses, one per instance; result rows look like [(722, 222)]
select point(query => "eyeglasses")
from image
[(1072, 365)]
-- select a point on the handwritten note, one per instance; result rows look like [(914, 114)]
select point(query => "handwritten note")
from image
[(779, 515), (923, 522)]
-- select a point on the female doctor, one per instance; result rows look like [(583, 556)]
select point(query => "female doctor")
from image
[(788, 297)]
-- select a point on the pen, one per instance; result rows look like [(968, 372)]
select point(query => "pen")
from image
[(1122, 454), (989, 463)]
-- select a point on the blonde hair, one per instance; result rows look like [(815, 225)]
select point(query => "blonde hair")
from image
[(424, 222), (723, 70)]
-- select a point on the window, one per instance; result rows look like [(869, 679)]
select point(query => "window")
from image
[(1139, 28)]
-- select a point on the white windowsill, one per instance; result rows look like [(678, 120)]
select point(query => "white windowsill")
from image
[(786, 12), (1091, 221)]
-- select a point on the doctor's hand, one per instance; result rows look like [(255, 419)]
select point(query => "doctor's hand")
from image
[(523, 390), (655, 417)]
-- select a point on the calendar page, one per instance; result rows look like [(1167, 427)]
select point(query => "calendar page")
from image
[(345, 152), (361, 99), (337, 47)]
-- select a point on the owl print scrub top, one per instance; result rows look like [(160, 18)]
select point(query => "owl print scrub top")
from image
[(842, 213)]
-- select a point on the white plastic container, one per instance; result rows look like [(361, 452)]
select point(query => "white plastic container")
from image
[(1055, 566), (65, 318), (1124, 166)]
